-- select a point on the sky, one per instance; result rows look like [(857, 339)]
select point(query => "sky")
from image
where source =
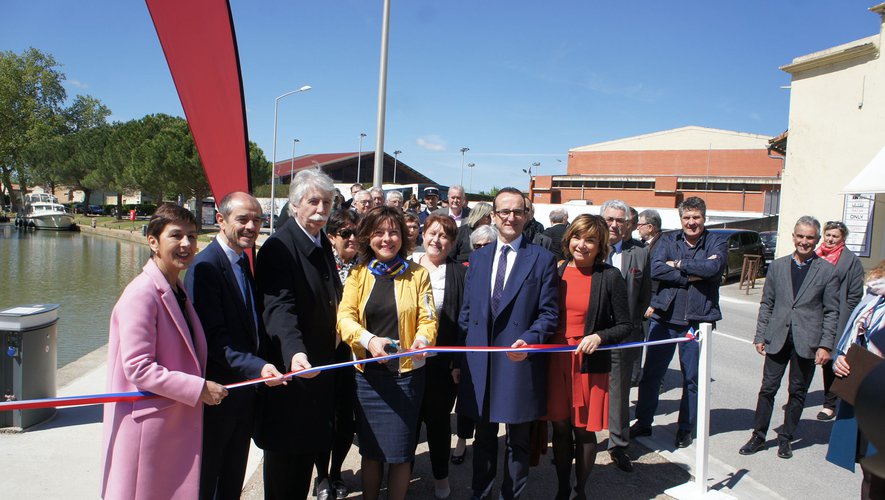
[(516, 81)]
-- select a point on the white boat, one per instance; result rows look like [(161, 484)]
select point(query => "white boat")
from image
[(43, 211)]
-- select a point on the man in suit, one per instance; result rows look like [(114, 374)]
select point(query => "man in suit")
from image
[(223, 292), (511, 299), (649, 228), (532, 227), (457, 209), (558, 225), (354, 189), (431, 198), (362, 202), (796, 326), (300, 287), (633, 262), (688, 266)]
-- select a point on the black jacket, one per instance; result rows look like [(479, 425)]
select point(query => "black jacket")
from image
[(300, 287), (608, 314)]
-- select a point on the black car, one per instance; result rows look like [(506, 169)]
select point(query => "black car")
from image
[(769, 242), (741, 242)]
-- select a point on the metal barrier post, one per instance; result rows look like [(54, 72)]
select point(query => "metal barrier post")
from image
[(698, 487)]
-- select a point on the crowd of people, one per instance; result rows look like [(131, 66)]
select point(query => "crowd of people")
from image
[(377, 274)]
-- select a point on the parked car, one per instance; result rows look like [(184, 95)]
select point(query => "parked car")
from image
[(741, 242), (94, 210), (769, 242)]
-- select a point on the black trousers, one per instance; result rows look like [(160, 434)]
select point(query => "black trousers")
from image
[(872, 487), (801, 373), (623, 361), (830, 399), (287, 475), (227, 433), (485, 459), (436, 410)]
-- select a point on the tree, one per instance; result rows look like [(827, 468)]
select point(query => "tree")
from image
[(31, 95), (183, 165), (259, 166)]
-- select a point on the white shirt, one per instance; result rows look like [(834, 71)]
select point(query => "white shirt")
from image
[(316, 239), (511, 258), (616, 254), (234, 259), (438, 286)]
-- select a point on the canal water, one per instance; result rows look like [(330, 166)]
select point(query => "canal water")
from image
[(83, 273)]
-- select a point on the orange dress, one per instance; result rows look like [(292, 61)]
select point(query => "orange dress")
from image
[(579, 397)]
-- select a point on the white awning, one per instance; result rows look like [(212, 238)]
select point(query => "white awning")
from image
[(871, 179)]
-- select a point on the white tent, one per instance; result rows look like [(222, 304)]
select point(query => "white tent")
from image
[(871, 179)]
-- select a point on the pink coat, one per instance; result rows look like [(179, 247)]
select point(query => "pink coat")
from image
[(152, 447)]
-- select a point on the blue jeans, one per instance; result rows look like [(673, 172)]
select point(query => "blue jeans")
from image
[(657, 359)]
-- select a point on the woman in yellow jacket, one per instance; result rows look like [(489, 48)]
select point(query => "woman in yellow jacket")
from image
[(387, 306)]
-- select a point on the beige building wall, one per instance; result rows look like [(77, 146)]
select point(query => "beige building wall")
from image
[(683, 138), (836, 126)]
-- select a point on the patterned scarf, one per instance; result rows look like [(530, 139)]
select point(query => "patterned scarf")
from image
[(393, 268), (343, 267), (831, 254)]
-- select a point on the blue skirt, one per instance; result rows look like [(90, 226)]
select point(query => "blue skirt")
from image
[(387, 410)]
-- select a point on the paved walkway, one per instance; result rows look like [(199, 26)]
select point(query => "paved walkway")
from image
[(61, 458)]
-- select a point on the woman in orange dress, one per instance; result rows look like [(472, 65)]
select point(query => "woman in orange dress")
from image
[(594, 312)]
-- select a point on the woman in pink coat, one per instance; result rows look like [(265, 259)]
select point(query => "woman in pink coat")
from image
[(152, 447)]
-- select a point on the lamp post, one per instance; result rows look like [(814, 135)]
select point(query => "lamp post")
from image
[(395, 155), (529, 172), (292, 167), (359, 157), (463, 150), (273, 171), (470, 166)]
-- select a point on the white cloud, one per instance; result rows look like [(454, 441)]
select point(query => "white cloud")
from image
[(432, 143), (78, 84)]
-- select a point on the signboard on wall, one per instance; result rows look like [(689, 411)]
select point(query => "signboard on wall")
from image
[(858, 216)]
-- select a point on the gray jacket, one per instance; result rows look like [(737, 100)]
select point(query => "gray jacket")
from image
[(849, 272), (636, 270), (811, 316)]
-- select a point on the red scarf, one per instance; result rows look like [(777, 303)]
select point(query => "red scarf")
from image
[(831, 254)]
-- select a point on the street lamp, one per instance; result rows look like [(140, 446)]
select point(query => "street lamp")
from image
[(359, 157), (273, 172), (395, 154), (292, 167), (470, 166), (463, 150)]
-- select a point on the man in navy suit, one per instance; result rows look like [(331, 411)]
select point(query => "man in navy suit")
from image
[(221, 286), (511, 299)]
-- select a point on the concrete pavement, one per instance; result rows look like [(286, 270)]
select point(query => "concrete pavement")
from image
[(62, 458)]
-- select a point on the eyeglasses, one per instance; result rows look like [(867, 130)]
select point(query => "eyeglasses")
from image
[(477, 246), (505, 212), (346, 233), (620, 222)]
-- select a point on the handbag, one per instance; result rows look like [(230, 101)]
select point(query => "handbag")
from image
[(861, 362)]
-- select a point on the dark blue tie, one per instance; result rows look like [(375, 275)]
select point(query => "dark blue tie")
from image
[(247, 292), (499, 279)]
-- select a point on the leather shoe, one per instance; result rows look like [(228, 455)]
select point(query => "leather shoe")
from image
[(340, 488), (826, 414), (637, 430), (621, 459), (755, 444), (784, 449), (683, 439), (322, 490), (458, 459)]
